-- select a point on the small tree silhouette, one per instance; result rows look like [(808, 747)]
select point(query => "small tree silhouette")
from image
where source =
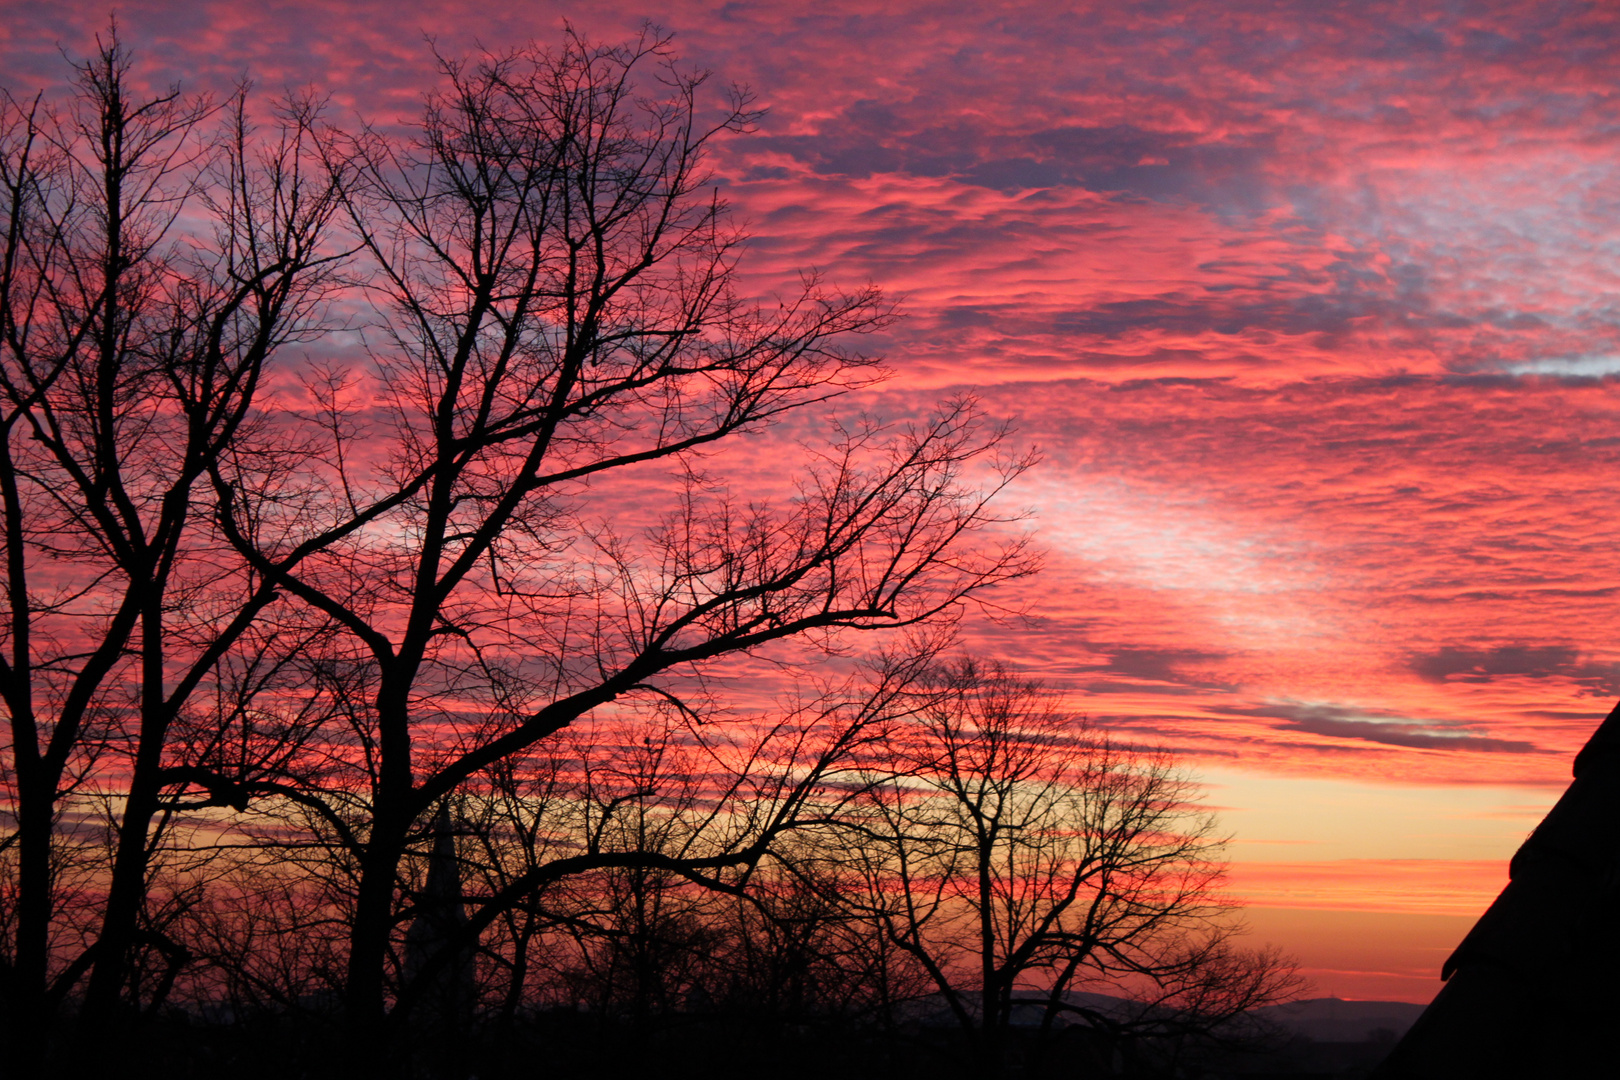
[(1018, 855)]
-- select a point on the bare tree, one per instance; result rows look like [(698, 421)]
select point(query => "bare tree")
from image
[(553, 281), (587, 837), (1018, 856), (134, 348), (796, 952), (656, 868)]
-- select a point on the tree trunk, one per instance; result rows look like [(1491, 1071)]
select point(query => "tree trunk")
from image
[(125, 895), (28, 1016), (126, 892), (364, 1004)]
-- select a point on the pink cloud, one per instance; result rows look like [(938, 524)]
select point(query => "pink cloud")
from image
[(1308, 305)]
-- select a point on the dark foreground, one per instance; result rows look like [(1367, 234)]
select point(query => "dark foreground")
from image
[(1320, 1038)]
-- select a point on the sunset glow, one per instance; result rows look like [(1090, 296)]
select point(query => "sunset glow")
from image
[(1308, 311)]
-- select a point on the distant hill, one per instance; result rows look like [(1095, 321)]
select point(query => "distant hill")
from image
[(1318, 1019), (1318, 1038), (1335, 1020)]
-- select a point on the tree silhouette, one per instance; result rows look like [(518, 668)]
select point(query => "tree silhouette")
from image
[(554, 308), (1018, 855), (134, 350)]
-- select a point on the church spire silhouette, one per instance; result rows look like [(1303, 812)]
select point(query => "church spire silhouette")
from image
[(441, 918)]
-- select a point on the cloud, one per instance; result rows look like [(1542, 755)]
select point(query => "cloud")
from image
[(1252, 190), (1481, 665), (1526, 661), (868, 137), (1159, 664), (1339, 722), (1427, 886), (1589, 367), (1309, 307)]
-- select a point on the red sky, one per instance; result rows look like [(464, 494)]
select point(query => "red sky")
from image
[(1310, 309)]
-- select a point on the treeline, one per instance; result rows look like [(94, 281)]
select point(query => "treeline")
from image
[(341, 693)]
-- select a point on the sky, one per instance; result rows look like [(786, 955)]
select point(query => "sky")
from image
[(1309, 309)]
